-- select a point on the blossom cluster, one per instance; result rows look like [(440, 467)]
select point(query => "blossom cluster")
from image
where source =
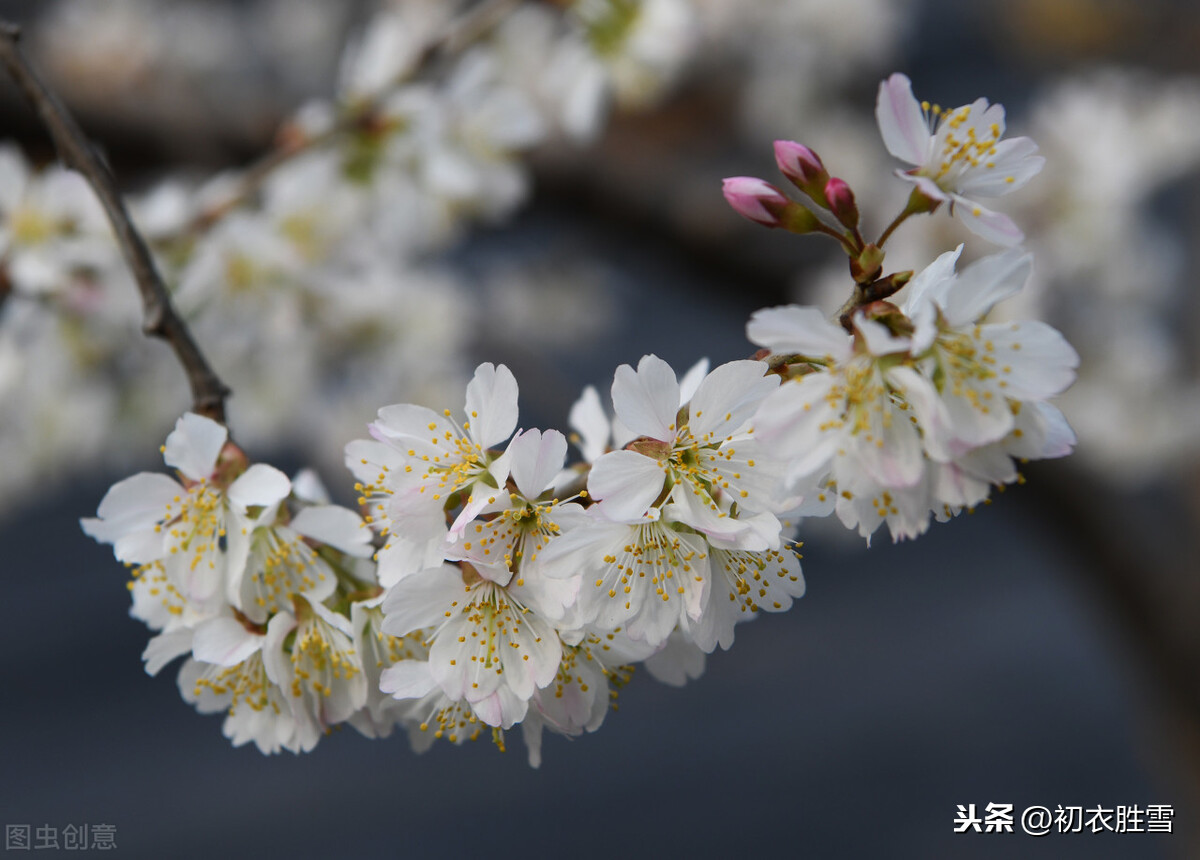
[(311, 270), (487, 582)]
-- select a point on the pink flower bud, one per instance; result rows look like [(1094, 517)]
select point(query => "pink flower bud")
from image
[(800, 164), (757, 199), (841, 202)]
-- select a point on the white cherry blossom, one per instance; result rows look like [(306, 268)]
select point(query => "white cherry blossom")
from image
[(957, 155)]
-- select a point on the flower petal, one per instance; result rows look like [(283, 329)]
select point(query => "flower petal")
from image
[(491, 404), (537, 458), (626, 483), (336, 526), (194, 445), (901, 122), (646, 400), (803, 330), (993, 226)]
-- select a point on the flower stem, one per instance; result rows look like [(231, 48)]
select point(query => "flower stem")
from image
[(159, 317)]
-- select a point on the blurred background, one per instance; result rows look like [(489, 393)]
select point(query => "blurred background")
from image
[(545, 194)]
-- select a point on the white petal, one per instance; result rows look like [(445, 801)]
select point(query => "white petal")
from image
[(677, 662), (626, 483), (408, 679), (993, 226), (1033, 358), (336, 526), (225, 642), (727, 398), (491, 405), (275, 661), (194, 445), (901, 122), (307, 487), (985, 283), (164, 648), (128, 513), (537, 458), (647, 400), (259, 486), (931, 284), (877, 338), (1014, 163), (930, 412), (691, 380), (423, 599), (587, 418), (803, 330)]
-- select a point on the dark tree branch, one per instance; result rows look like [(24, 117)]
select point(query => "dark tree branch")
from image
[(159, 318)]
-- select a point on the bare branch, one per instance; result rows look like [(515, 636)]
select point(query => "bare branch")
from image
[(159, 318)]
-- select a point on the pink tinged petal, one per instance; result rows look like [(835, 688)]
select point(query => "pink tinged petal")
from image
[(626, 483), (647, 400), (336, 526), (425, 599), (728, 397), (993, 226), (164, 648), (408, 679), (588, 419), (1014, 163), (127, 516), (803, 330), (537, 458), (1033, 358), (259, 486), (901, 122), (984, 284), (194, 445), (691, 380), (501, 709), (480, 498), (491, 405), (1059, 438), (756, 199), (225, 642), (932, 284)]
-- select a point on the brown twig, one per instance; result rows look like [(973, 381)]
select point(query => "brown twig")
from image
[(159, 316)]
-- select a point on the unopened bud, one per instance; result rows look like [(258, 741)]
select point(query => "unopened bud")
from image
[(841, 202), (803, 168), (763, 203)]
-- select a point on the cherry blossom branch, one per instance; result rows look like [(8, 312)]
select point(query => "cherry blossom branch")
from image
[(159, 316), (460, 34)]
